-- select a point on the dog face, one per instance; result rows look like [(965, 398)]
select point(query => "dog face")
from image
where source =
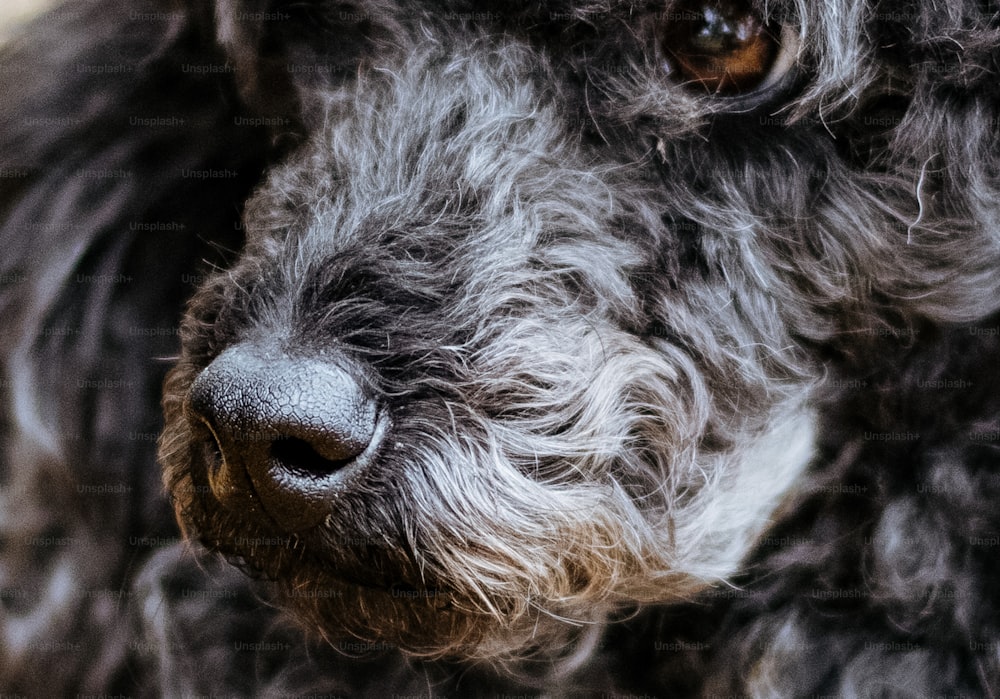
[(530, 329)]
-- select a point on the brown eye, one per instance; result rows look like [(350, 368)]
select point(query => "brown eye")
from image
[(722, 45)]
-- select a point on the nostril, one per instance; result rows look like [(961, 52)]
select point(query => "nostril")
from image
[(298, 456), (214, 451)]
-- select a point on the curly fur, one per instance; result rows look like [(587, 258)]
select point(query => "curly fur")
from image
[(683, 395)]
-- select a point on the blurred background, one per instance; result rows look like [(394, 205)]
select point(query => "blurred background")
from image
[(15, 12)]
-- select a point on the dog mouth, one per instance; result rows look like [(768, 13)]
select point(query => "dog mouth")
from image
[(262, 552), (346, 548)]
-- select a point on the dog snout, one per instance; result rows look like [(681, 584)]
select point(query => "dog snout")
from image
[(291, 432)]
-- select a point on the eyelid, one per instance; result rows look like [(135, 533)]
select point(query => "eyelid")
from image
[(789, 46)]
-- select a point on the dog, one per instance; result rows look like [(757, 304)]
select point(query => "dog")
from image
[(548, 349)]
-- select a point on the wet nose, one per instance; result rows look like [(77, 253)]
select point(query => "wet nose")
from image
[(290, 431)]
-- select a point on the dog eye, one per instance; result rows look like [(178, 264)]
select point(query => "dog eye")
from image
[(724, 46)]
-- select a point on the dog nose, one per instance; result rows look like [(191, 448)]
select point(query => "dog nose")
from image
[(290, 431)]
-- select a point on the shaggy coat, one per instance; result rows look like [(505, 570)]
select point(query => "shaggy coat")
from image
[(481, 349)]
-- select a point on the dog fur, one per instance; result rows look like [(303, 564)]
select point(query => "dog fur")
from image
[(678, 394)]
